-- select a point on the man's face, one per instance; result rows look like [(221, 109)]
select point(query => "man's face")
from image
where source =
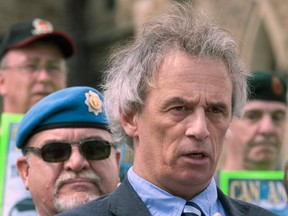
[(60, 186), (20, 87), (258, 137), (179, 132)]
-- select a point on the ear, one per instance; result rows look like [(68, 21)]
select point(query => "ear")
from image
[(118, 155), (129, 123), (23, 170), (2, 80)]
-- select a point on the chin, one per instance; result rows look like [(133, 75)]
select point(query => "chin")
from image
[(73, 201)]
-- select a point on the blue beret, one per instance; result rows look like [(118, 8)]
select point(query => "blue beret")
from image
[(78, 107), (267, 85)]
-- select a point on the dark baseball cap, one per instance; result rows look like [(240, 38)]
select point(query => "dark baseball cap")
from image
[(22, 34)]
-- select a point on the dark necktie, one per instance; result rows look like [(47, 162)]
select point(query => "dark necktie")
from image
[(192, 209)]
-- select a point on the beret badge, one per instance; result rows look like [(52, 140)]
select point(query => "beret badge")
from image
[(277, 86), (93, 102)]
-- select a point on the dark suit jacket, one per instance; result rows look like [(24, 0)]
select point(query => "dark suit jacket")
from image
[(124, 201)]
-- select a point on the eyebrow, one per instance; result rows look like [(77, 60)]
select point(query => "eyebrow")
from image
[(184, 101), (220, 105), (176, 100)]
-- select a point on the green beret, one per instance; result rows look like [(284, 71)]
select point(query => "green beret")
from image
[(267, 85)]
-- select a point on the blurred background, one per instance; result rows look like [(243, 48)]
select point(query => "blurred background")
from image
[(99, 26)]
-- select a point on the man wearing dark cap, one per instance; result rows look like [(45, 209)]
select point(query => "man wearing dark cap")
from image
[(256, 140), (32, 63), (69, 157)]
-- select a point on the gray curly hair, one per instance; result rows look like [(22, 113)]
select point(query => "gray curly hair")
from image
[(132, 69)]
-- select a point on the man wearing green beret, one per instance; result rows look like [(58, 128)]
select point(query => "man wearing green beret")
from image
[(256, 140)]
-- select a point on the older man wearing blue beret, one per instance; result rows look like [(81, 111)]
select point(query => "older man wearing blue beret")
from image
[(69, 157)]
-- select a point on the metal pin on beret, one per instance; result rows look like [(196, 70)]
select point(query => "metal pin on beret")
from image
[(73, 107), (22, 34), (267, 85)]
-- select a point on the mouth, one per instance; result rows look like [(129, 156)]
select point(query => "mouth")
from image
[(39, 95), (196, 159), (77, 181), (43, 94), (196, 156), (80, 185), (268, 149), (265, 145)]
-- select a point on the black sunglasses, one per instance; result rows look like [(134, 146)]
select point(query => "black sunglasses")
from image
[(94, 149)]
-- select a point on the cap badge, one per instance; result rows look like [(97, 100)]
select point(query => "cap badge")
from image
[(41, 27), (93, 102), (277, 86)]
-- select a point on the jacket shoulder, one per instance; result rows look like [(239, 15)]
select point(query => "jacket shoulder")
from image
[(237, 207)]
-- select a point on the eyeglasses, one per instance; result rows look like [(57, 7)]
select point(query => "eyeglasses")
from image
[(93, 149), (53, 67)]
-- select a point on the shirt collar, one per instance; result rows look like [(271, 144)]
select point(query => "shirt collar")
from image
[(160, 202)]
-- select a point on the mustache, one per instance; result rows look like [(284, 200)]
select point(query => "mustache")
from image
[(268, 141), (85, 174)]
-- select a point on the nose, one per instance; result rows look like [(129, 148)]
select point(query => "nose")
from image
[(197, 125), (266, 125), (76, 161), (43, 74)]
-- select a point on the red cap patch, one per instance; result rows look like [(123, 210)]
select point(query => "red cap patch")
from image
[(41, 27)]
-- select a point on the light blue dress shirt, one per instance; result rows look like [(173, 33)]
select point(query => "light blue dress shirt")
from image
[(161, 203)]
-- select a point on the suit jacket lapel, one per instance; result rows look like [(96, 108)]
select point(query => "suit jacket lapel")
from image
[(232, 207)]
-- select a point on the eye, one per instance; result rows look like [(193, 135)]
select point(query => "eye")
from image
[(179, 108), (253, 115), (278, 117), (214, 109), (53, 68), (30, 67), (218, 108)]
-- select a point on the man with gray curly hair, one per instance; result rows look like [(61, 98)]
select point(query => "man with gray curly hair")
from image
[(171, 95)]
